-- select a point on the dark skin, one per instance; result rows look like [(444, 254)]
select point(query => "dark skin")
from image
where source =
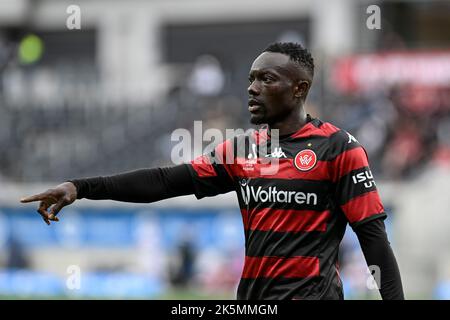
[(54, 199), (277, 92)]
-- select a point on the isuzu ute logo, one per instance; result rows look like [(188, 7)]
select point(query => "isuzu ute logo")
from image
[(365, 177)]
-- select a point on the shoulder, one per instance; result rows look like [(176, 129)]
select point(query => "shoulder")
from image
[(339, 140), (342, 137), (325, 129), (316, 128)]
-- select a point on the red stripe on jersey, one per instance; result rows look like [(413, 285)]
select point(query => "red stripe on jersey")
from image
[(203, 167), (363, 206), (325, 130), (273, 267), (284, 169), (347, 161), (244, 214), (282, 220)]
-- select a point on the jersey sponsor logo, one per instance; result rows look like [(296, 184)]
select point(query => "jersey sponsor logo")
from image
[(277, 153), (365, 177), (258, 194), (305, 160)]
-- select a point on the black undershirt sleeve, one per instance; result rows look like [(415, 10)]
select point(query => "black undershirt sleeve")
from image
[(143, 185), (377, 251)]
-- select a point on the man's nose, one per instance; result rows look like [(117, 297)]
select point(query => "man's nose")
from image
[(253, 89)]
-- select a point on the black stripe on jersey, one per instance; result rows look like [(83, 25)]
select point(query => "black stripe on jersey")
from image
[(288, 288), (282, 244), (316, 194), (271, 289), (355, 183), (339, 142)]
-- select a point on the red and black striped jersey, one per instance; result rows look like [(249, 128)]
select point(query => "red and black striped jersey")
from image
[(294, 209)]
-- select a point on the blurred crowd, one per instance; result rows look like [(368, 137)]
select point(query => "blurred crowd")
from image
[(402, 128)]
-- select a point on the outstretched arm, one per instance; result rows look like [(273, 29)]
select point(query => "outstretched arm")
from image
[(205, 176), (377, 251), (144, 185)]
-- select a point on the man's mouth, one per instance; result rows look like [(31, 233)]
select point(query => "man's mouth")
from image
[(254, 105), (254, 108)]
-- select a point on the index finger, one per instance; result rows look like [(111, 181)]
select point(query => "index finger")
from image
[(36, 197)]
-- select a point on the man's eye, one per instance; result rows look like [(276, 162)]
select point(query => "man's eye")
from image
[(267, 79), (250, 80)]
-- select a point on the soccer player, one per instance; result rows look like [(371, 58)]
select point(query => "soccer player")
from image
[(294, 218)]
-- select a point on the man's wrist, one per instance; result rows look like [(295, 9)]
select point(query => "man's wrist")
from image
[(74, 187)]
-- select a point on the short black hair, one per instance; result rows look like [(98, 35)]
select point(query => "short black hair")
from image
[(296, 52)]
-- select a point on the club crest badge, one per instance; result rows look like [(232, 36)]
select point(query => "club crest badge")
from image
[(305, 160)]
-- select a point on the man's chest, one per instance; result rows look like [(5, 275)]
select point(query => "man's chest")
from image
[(288, 174)]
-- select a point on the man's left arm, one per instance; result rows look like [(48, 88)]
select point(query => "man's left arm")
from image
[(358, 198), (378, 252)]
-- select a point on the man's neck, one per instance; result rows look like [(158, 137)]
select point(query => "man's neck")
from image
[(292, 124)]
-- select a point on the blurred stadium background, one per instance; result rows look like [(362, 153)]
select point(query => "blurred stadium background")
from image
[(105, 99)]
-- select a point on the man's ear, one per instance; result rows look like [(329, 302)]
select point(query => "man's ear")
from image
[(301, 89)]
